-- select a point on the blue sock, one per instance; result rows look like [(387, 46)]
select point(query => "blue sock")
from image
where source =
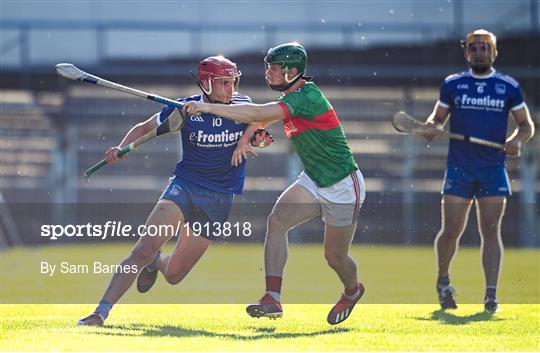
[(491, 292), (152, 266), (103, 309), (443, 281)]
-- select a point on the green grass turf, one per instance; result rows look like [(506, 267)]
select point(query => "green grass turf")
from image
[(225, 327), (232, 274)]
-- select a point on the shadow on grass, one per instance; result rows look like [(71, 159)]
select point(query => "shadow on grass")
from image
[(447, 317), (179, 331)]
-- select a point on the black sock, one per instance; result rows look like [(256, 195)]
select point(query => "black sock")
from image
[(443, 281), (491, 292)]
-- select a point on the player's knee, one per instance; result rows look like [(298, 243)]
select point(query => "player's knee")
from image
[(174, 276), (490, 234), (490, 226), (278, 220), (334, 259), (450, 231)]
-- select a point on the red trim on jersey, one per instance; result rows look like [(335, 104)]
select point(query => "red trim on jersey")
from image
[(285, 109), (294, 125), (357, 188)]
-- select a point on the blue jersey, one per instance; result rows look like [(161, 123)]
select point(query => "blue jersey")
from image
[(208, 143), (479, 107)]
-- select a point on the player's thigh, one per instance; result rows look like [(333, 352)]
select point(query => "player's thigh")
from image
[(337, 239), (459, 181), (295, 205), (454, 211), (161, 225), (342, 201), (492, 181), (188, 250), (490, 211)]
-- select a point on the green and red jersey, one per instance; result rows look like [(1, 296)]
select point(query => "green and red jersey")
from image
[(313, 126)]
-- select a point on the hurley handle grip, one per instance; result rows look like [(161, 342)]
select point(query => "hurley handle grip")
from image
[(102, 163)]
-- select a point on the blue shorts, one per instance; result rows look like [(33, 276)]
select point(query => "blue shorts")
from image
[(199, 204), (470, 182)]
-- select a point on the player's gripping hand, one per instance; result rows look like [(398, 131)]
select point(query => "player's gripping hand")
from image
[(431, 130), (261, 138), (240, 153), (111, 155), (195, 108), (512, 148)]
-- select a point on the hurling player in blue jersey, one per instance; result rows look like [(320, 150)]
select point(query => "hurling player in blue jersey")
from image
[(478, 101), (212, 169)]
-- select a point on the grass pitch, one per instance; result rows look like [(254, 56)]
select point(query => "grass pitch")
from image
[(225, 327), (391, 274)]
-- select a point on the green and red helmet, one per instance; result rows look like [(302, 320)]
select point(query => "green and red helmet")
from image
[(287, 56)]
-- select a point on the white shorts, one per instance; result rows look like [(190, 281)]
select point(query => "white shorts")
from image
[(341, 202)]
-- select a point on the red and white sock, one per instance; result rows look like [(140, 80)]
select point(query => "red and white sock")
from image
[(354, 292), (273, 287)]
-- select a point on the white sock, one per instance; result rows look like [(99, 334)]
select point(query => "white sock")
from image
[(355, 295), (275, 295)]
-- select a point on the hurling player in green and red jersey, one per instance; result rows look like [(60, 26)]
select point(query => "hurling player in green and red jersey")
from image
[(331, 185)]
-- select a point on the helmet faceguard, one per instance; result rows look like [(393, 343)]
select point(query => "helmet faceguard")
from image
[(480, 50), (287, 56), (216, 67)]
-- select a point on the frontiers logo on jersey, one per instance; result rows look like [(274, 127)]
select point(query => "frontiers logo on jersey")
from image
[(479, 103), (222, 139)]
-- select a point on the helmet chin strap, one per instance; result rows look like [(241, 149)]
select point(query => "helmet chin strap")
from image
[(208, 92), (294, 79), (205, 92), (288, 82)]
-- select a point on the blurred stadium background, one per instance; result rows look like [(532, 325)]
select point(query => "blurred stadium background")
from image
[(370, 58)]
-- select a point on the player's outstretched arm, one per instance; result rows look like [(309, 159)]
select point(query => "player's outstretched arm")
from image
[(523, 133), (111, 155), (246, 113)]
